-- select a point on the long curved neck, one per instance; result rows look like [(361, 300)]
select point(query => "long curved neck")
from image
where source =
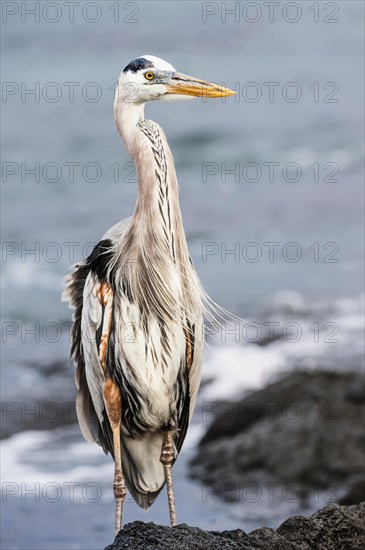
[(154, 256), (157, 216)]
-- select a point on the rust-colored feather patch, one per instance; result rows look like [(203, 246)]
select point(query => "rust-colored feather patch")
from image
[(189, 347), (113, 402), (105, 295)]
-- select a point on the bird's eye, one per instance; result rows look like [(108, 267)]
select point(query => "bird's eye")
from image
[(149, 75)]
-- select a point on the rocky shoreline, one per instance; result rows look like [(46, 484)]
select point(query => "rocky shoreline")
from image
[(332, 528), (305, 430), (302, 434)]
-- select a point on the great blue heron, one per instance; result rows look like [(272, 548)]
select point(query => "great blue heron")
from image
[(137, 336)]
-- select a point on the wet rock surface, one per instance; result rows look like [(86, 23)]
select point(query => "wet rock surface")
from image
[(305, 431), (332, 528)]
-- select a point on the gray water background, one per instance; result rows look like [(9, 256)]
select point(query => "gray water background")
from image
[(224, 212)]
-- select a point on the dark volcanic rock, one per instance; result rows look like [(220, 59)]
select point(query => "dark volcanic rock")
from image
[(305, 431), (333, 528)]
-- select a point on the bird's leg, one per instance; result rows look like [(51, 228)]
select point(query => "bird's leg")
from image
[(113, 404), (167, 458)]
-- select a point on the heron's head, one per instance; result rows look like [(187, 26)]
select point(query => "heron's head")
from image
[(148, 78)]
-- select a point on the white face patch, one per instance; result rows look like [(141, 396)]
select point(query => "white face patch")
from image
[(159, 63), (134, 87)]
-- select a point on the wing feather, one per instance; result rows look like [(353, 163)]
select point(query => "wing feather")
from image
[(183, 348)]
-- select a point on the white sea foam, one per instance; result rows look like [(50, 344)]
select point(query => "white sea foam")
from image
[(236, 368), (331, 329)]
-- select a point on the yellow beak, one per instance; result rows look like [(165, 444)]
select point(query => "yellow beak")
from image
[(188, 85)]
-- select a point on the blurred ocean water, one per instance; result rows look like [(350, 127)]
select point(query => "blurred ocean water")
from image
[(272, 198)]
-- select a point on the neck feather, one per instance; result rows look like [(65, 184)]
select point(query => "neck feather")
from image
[(157, 214), (154, 248)]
